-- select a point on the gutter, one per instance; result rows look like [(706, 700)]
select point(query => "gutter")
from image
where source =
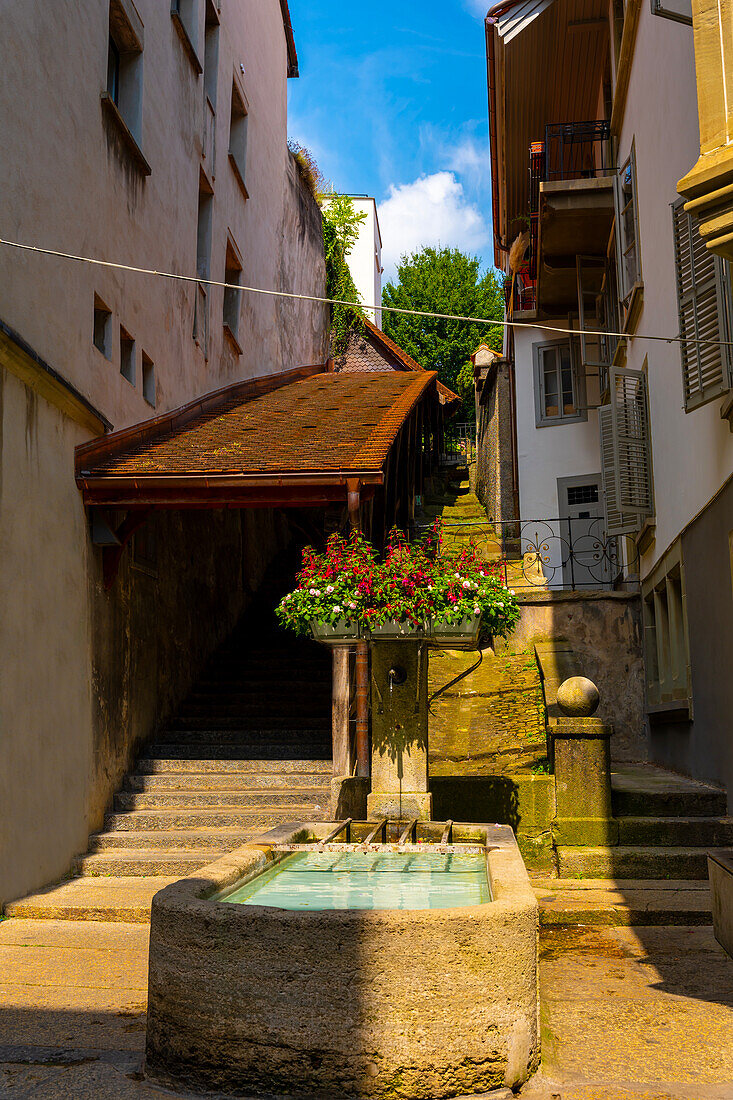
[(499, 245)]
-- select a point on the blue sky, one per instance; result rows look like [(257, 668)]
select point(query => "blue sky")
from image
[(392, 102)]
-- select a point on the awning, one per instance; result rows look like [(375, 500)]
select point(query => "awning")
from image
[(296, 438)]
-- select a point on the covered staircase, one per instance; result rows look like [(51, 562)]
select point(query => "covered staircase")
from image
[(249, 748)]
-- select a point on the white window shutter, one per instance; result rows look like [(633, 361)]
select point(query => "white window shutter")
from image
[(590, 272), (631, 434), (617, 522), (703, 297)]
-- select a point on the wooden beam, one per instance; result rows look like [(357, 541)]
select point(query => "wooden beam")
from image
[(340, 706)]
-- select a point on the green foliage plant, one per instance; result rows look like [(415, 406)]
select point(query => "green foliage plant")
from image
[(341, 222), (444, 280)]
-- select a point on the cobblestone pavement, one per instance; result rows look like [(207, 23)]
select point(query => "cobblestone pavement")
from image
[(628, 1013)]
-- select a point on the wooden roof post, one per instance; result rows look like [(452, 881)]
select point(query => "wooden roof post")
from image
[(353, 486)]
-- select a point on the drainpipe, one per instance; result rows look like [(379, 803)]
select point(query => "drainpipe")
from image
[(353, 486)]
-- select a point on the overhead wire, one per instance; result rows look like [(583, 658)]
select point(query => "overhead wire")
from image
[(501, 323)]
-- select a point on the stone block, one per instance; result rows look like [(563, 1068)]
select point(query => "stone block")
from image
[(720, 872), (593, 832), (403, 806), (582, 766), (349, 797)]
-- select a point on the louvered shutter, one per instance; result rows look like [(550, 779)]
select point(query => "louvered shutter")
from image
[(628, 266), (703, 297), (617, 522), (631, 441)]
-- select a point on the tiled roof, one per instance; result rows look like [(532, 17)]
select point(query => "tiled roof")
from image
[(373, 350), (315, 423)]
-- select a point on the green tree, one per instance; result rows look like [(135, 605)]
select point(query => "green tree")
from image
[(443, 280), (341, 224)]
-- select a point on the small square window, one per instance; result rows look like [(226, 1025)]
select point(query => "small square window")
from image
[(148, 379), (102, 327), (127, 356)]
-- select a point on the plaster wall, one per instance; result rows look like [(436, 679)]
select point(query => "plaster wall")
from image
[(45, 640), (548, 453), (85, 674), (69, 183), (702, 746), (692, 452)]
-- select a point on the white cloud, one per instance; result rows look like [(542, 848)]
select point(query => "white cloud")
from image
[(477, 7), (433, 210)]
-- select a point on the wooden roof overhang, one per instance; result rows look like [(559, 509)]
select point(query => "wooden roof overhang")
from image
[(303, 438), (545, 67)]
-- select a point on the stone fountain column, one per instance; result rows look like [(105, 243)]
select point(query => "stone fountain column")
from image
[(399, 731)]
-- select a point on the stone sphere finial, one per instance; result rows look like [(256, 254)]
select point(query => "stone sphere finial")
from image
[(578, 697)]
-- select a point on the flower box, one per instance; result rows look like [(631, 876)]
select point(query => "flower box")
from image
[(393, 630), (461, 635), (342, 632)]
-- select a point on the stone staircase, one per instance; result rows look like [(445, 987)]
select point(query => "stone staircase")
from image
[(657, 875), (666, 824), (249, 748)]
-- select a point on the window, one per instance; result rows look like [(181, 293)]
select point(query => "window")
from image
[(704, 302), (123, 96), (102, 327), (627, 229), (558, 396), (626, 452), (127, 356), (148, 379), (238, 137), (203, 266), (232, 297), (679, 10), (666, 646), (185, 16), (211, 53), (582, 494)]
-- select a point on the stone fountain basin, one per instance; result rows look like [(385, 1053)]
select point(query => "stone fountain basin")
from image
[(429, 1003)]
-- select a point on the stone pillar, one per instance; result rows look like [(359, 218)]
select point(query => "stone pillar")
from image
[(708, 186), (582, 762), (400, 731)]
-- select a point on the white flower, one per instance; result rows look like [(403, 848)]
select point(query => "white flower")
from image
[(430, 588), (337, 608), (313, 591), (457, 576), (330, 589), (467, 584), (477, 610), (512, 592), (352, 606)]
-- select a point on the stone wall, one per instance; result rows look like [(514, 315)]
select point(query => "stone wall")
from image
[(494, 465), (604, 631), (490, 723)]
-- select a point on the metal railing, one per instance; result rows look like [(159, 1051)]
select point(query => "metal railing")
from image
[(577, 150), (459, 444), (562, 554)]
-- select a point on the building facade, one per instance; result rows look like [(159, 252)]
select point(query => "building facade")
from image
[(152, 135), (365, 257), (622, 322)]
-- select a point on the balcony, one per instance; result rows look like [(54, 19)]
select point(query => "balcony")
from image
[(571, 203)]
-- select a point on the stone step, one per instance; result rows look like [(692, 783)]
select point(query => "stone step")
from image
[(570, 903), (145, 861), (223, 839), (151, 800), (707, 832), (280, 730), (100, 899), (275, 788), (257, 693), (648, 791), (632, 862), (194, 751), (254, 712), (261, 819), (320, 770)]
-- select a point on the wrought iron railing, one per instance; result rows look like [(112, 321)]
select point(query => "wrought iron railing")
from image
[(459, 443), (577, 150), (562, 554)]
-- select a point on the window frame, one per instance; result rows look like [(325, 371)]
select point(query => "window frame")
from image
[(187, 27), (658, 8), (231, 317), (625, 286), (238, 135), (101, 308), (123, 101), (542, 420)]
